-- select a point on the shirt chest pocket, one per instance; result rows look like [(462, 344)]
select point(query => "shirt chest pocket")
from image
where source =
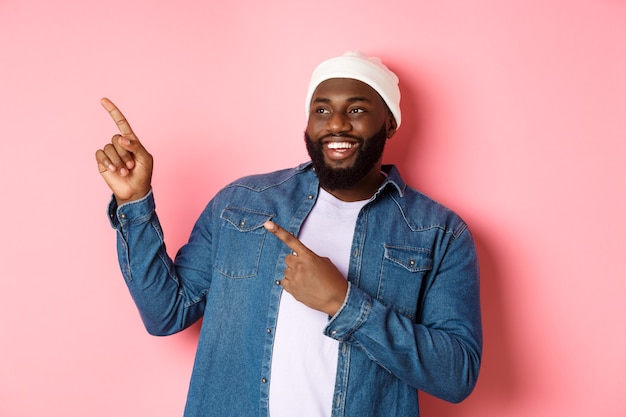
[(238, 251), (402, 277)]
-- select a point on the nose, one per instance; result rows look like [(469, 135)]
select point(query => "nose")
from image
[(338, 123)]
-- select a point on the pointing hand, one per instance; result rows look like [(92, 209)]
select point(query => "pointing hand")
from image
[(125, 164), (311, 279)]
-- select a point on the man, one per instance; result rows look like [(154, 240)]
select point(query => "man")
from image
[(366, 292)]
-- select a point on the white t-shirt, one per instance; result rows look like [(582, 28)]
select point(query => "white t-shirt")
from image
[(304, 360)]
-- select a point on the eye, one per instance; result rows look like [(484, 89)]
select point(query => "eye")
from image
[(357, 110), (321, 110)]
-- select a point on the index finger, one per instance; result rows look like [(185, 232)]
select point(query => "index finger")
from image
[(118, 117), (287, 238)]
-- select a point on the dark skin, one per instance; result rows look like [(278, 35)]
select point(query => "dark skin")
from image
[(125, 165), (342, 108), (339, 106)]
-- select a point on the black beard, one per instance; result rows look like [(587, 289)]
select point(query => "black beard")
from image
[(369, 153)]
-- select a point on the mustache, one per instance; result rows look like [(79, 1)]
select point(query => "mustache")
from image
[(341, 135)]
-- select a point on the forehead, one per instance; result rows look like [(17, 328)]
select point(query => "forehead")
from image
[(342, 89)]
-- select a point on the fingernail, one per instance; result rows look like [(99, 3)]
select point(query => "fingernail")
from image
[(269, 226)]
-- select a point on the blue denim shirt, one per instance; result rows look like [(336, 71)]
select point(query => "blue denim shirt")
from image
[(410, 320)]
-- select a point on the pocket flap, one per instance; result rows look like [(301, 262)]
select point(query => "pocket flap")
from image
[(245, 220), (412, 259)]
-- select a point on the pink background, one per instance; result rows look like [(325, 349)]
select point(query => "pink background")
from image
[(513, 116)]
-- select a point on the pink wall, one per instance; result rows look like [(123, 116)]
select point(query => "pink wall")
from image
[(513, 116)]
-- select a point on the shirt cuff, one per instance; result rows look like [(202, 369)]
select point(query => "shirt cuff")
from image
[(351, 315), (138, 211)]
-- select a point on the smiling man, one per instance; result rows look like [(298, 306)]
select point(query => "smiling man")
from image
[(350, 123), (368, 292)]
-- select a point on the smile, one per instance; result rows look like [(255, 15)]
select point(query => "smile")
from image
[(340, 145)]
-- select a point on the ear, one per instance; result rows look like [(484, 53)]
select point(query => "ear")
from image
[(391, 125)]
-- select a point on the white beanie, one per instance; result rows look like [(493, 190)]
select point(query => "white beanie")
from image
[(358, 66)]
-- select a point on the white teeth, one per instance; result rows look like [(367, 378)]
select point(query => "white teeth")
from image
[(339, 145)]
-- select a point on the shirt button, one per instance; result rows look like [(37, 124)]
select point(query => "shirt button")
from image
[(310, 197), (412, 262), (268, 330), (123, 216), (264, 380), (242, 223), (277, 282)]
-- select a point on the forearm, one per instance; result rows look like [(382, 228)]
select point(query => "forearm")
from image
[(437, 351), (151, 276), (436, 361)]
